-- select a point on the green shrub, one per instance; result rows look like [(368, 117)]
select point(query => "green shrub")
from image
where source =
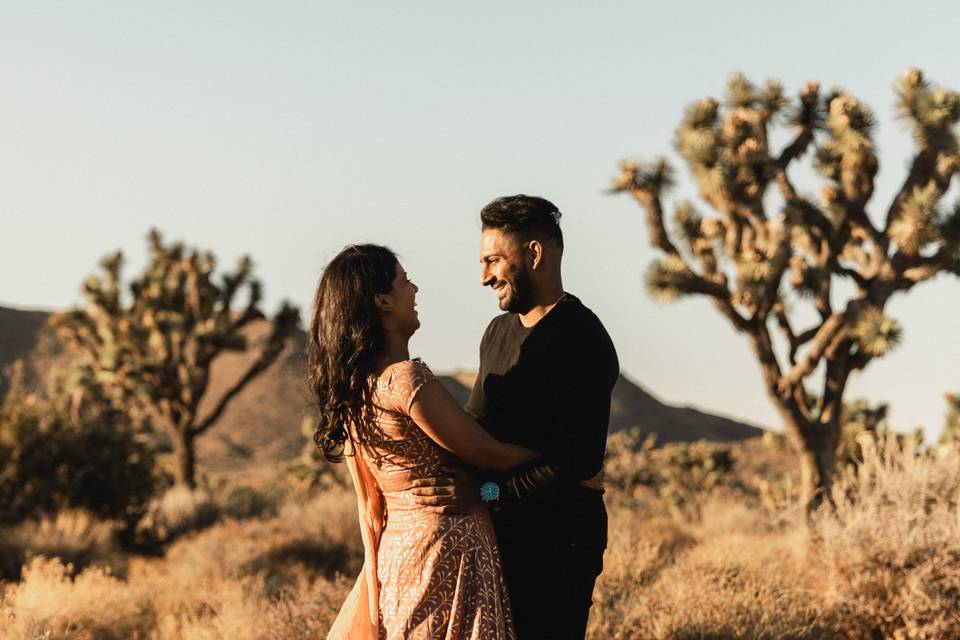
[(72, 449)]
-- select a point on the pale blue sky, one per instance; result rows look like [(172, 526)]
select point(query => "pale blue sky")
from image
[(287, 130)]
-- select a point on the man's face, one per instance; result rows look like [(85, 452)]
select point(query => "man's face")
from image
[(503, 267)]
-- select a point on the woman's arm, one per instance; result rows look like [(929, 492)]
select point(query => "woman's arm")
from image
[(437, 413)]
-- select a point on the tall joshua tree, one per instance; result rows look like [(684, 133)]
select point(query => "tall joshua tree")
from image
[(757, 266), (154, 349)]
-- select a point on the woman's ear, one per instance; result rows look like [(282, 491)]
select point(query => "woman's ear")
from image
[(382, 302)]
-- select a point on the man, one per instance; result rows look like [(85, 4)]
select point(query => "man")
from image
[(547, 368)]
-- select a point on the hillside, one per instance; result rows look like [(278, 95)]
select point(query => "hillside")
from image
[(24, 335), (633, 406), (262, 425)]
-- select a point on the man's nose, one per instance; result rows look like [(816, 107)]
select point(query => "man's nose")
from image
[(486, 278)]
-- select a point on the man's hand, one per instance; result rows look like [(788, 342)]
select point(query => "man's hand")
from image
[(456, 491)]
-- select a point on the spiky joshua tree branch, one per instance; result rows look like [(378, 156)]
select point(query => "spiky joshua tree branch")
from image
[(758, 263)]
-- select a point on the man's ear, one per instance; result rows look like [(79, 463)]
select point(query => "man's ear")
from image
[(535, 253)]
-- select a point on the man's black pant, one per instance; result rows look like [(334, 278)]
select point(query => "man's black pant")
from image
[(551, 579)]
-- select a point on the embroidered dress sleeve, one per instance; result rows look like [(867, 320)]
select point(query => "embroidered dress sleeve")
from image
[(404, 382)]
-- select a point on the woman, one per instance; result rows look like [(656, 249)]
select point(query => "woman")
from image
[(426, 575)]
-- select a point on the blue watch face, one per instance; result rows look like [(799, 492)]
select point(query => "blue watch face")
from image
[(489, 491)]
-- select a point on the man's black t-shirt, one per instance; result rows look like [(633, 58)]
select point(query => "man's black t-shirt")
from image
[(548, 388)]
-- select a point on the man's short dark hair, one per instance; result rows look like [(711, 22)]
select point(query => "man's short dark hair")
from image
[(530, 217)]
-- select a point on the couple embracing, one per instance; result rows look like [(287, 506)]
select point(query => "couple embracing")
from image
[(484, 523)]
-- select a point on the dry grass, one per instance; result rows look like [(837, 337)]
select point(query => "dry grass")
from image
[(178, 511), (281, 577), (893, 543), (75, 536), (884, 564), (729, 576)]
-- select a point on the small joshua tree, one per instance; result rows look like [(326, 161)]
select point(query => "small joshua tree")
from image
[(756, 268), (155, 349)]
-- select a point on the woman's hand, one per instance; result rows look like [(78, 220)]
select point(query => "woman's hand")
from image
[(595, 483)]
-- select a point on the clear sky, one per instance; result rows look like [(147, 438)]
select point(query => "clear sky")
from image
[(286, 130)]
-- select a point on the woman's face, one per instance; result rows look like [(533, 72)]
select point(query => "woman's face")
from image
[(401, 314)]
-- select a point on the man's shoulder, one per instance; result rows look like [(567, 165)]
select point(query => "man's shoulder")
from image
[(578, 335), (500, 320), (497, 325)]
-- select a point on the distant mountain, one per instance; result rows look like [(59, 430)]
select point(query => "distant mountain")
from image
[(262, 424), (632, 406), (25, 335)]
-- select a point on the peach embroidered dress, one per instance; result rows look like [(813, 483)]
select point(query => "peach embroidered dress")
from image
[(426, 576)]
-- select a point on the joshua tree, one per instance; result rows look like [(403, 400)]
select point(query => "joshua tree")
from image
[(757, 265), (155, 349)]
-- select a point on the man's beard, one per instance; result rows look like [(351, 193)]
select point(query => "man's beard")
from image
[(518, 301)]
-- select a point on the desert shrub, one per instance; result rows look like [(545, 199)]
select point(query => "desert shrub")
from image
[(282, 578), (69, 449), (733, 574), (688, 472), (311, 471), (626, 463), (75, 536), (681, 475), (51, 605), (859, 417), (318, 538), (892, 543), (778, 495), (241, 501), (951, 423), (180, 510)]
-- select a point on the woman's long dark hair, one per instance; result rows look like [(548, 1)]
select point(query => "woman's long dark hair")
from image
[(346, 338)]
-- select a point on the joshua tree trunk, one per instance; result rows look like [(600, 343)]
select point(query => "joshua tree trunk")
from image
[(813, 428), (186, 460), (817, 465), (815, 445)]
